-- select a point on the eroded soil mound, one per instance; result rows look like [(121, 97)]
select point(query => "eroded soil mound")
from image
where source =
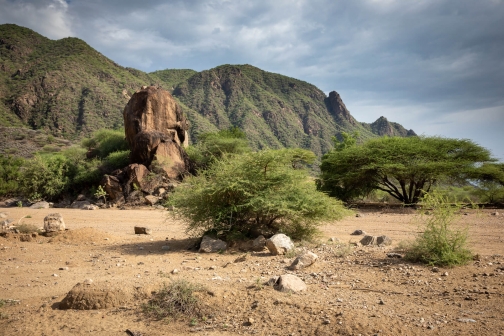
[(96, 296)]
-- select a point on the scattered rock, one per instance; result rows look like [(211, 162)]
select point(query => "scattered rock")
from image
[(394, 255), (279, 244), (142, 230), (211, 245), (290, 283), (54, 223), (495, 213), (359, 215), (79, 204), (383, 241), (80, 197), (112, 185), (373, 240), (466, 320), (151, 200), (304, 260), (358, 233), (3, 215), (175, 271), (90, 207), (40, 205), (259, 244), (334, 240), (272, 281)]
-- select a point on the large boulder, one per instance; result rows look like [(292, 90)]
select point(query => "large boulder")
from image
[(54, 223), (373, 240), (157, 130), (40, 205), (279, 244), (112, 185)]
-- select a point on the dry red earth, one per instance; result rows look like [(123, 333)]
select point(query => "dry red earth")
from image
[(351, 291)]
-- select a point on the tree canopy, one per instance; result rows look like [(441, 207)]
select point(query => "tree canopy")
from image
[(405, 168), (255, 193)]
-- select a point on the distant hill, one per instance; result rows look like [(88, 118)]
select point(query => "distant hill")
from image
[(68, 89)]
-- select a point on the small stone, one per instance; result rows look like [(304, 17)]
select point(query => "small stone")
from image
[(435, 269), (63, 268), (304, 260), (259, 244), (141, 248), (55, 275), (290, 283), (88, 281), (358, 233), (213, 267), (334, 240), (175, 271), (466, 320), (142, 230), (326, 321), (430, 327), (444, 274), (381, 302), (495, 213)]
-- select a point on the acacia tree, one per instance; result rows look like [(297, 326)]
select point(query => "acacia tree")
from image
[(405, 168), (255, 193)]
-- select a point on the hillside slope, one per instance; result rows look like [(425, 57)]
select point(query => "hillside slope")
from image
[(68, 89)]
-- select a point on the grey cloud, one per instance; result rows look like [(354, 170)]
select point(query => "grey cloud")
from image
[(443, 56)]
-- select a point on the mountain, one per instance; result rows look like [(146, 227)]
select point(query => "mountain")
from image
[(68, 89)]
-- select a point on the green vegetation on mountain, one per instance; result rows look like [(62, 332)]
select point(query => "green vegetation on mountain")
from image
[(68, 89)]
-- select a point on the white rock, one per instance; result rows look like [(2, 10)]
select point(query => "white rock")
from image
[(304, 260), (279, 244), (290, 283)]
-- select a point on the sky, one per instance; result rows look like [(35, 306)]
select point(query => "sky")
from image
[(434, 66)]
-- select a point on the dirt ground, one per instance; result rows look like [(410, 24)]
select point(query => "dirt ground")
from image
[(351, 290)]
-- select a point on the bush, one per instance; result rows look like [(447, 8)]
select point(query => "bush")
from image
[(27, 228), (175, 300), (214, 145), (10, 175), (440, 244), (255, 193), (117, 160), (106, 141), (45, 177)]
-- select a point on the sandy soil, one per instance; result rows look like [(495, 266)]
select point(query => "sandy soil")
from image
[(351, 291)]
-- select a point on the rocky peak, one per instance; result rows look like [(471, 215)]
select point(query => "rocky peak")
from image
[(383, 127), (338, 109)]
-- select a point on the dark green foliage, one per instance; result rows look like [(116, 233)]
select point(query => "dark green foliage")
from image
[(440, 243), (405, 168), (255, 193), (45, 177), (106, 141), (214, 145), (10, 175)]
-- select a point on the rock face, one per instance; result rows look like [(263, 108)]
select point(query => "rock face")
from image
[(279, 244), (211, 245), (304, 260), (156, 130), (54, 223)]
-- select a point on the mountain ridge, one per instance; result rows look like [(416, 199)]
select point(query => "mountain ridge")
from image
[(69, 89)]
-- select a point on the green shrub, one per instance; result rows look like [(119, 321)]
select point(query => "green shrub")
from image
[(10, 175), (440, 243), (175, 300), (255, 193), (213, 145), (45, 177), (106, 141), (117, 160)]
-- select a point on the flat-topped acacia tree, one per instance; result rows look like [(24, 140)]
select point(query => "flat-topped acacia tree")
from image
[(405, 168)]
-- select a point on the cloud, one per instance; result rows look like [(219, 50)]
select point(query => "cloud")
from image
[(420, 62), (47, 17)]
